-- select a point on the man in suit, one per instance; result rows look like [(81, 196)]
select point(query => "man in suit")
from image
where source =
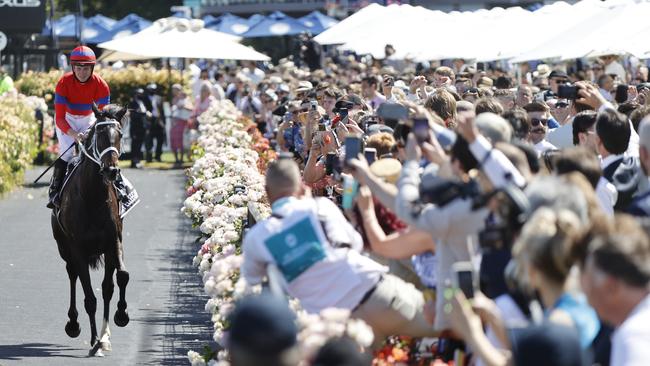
[(640, 206), (156, 130), (622, 170), (138, 126)]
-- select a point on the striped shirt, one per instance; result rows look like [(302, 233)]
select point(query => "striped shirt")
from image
[(77, 98)]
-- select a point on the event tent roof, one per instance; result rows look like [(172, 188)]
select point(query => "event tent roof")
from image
[(554, 31), (228, 23), (173, 37), (317, 22), (275, 24)]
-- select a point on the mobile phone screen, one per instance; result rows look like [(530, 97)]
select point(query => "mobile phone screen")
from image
[(343, 112), (371, 155), (352, 148), (421, 129), (466, 283)]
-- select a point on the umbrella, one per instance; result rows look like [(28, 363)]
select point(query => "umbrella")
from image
[(340, 33), (130, 24), (317, 22), (183, 38), (68, 25), (103, 21), (254, 19), (228, 23), (276, 24)]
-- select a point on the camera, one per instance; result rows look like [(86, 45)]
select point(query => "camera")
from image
[(441, 191), (513, 207), (567, 92)]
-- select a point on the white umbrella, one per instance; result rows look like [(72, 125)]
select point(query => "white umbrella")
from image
[(341, 32), (184, 39)]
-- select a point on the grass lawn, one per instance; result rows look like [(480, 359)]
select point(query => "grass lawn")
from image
[(166, 163)]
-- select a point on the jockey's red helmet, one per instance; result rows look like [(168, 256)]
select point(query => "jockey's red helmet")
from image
[(82, 55)]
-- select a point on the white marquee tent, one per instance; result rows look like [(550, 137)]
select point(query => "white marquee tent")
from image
[(556, 31), (182, 38)]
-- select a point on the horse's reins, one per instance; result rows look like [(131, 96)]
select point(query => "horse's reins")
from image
[(96, 156)]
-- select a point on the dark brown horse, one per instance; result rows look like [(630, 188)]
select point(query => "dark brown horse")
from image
[(88, 226)]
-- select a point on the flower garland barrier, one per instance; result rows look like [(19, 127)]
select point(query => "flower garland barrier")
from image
[(223, 181), (217, 202), (19, 135)]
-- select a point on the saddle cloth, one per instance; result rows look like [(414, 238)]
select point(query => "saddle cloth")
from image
[(126, 192)]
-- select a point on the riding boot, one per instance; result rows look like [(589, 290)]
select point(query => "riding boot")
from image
[(60, 167)]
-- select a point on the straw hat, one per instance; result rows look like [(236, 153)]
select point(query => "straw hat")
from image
[(388, 169)]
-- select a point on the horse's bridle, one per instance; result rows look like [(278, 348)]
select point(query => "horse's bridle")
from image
[(97, 156)]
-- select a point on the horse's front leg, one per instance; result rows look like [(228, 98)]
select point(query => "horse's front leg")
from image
[(107, 293), (121, 315), (90, 304), (72, 328)]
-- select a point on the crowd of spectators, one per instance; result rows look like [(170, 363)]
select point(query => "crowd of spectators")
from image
[(502, 214)]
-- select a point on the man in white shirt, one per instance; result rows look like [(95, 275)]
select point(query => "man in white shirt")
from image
[(613, 67), (370, 93), (616, 280), (539, 114), (584, 134), (317, 251)]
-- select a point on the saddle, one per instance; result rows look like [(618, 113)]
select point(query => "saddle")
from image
[(127, 195)]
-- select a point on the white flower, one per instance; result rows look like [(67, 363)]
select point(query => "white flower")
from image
[(223, 286), (205, 265), (361, 332), (195, 358), (335, 315)]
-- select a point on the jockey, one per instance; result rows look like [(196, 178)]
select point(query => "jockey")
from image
[(75, 94)]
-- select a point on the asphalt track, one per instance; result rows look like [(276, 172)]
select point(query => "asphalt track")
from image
[(165, 297)]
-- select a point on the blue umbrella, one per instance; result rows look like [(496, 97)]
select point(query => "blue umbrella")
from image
[(317, 22), (128, 25), (103, 21), (209, 19), (228, 23), (254, 19), (180, 14), (67, 27), (276, 24)]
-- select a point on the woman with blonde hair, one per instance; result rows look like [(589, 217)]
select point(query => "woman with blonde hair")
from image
[(546, 250)]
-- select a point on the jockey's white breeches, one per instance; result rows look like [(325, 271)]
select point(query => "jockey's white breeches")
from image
[(77, 123)]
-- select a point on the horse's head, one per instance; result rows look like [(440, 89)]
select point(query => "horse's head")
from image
[(106, 139)]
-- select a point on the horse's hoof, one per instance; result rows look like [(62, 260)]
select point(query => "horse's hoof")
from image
[(96, 351), (106, 346), (72, 329), (121, 318)]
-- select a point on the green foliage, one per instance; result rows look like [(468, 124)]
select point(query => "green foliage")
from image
[(18, 128), (149, 9), (122, 82)]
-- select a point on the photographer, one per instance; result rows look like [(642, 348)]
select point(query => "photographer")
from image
[(454, 225), (317, 252)]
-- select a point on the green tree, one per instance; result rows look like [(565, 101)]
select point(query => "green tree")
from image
[(149, 9)]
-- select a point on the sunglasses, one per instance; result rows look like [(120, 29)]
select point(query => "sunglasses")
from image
[(561, 105), (538, 121)]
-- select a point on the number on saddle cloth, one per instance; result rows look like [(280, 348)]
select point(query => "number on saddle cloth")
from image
[(296, 248)]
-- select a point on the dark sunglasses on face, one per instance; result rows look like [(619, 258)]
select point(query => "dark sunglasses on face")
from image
[(537, 121), (561, 105)]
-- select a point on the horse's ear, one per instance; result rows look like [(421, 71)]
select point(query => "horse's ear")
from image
[(96, 111), (123, 115)]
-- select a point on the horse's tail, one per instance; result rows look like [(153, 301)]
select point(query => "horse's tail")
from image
[(96, 261)]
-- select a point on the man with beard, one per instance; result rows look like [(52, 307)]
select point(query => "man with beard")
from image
[(539, 114)]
